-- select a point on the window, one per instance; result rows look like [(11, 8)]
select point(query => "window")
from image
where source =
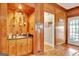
[(73, 28)]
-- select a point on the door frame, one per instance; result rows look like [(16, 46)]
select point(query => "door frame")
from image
[(54, 27)]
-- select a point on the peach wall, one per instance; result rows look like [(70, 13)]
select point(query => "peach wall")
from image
[(49, 8), (3, 20), (31, 23), (73, 12)]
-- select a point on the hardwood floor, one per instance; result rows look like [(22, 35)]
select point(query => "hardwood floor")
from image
[(61, 50), (47, 48)]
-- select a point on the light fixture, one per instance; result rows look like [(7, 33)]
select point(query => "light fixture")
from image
[(20, 6)]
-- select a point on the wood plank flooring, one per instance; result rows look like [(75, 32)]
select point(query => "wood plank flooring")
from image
[(61, 50), (47, 48)]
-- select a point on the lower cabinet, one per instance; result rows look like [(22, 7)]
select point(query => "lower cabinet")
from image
[(24, 47), (12, 47), (30, 45), (20, 47)]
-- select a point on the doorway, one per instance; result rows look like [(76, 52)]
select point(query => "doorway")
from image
[(60, 32), (48, 31)]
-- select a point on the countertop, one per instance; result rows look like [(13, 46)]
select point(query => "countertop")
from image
[(22, 37)]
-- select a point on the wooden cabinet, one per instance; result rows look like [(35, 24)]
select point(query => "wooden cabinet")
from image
[(20, 47), (12, 47), (24, 47), (30, 45)]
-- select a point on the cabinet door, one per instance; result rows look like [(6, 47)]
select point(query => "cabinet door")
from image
[(24, 47), (19, 47), (12, 47), (30, 45)]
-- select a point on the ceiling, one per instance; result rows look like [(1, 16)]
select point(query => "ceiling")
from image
[(68, 5)]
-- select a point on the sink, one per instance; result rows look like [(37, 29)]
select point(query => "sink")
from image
[(21, 36)]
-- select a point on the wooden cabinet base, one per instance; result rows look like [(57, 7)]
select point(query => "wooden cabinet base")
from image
[(20, 47), (12, 47)]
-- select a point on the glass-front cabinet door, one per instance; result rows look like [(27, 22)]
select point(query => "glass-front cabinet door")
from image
[(73, 30)]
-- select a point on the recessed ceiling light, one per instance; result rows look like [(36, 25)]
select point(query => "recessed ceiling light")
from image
[(20, 6)]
